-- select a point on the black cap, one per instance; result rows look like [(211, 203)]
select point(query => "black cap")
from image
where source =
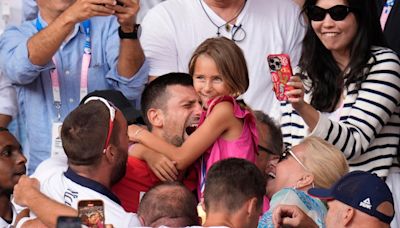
[(132, 115)]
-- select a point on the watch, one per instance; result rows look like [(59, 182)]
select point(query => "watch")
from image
[(129, 35)]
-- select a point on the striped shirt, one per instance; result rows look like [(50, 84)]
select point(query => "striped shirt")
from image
[(368, 130)]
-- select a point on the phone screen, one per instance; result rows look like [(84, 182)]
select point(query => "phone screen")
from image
[(91, 213), (68, 222)]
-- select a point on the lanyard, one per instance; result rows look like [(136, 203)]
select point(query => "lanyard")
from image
[(87, 54), (385, 12)]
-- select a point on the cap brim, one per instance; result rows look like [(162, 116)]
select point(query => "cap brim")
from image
[(131, 114), (321, 193)]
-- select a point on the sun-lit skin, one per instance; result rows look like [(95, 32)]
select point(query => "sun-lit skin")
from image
[(207, 80), (336, 36)]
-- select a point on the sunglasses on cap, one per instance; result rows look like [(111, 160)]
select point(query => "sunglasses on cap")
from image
[(337, 13), (112, 109)]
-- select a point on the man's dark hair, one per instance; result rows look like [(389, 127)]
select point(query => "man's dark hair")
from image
[(155, 94), (231, 182), (274, 134), (170, 204), (84, 132)]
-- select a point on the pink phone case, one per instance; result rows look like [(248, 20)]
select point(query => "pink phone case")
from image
[(281, 71)]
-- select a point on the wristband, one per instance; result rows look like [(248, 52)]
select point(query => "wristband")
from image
[(129, 35)]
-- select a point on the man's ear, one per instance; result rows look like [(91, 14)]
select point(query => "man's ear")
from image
[(252, 206), (156, 117), (306, 179), (347, 215), (110, 152)]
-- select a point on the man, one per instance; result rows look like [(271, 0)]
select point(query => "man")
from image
[(233, 194), (170, 108), (71, 48), (270, 144), (259, 27), (169, 204), (358, 199), (12, 167), (95, 140)]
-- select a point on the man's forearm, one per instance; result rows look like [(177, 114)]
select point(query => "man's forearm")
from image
[(43, 45), (48, 210), (131, 57)]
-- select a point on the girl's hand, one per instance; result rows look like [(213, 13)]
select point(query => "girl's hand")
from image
[(296, 95), (162, 167), (134, 131)]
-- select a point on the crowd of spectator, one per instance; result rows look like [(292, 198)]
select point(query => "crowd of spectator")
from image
[(166, 113)]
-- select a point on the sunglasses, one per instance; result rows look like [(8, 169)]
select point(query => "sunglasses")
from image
[(112, 109), (337, 13), (285, 154)]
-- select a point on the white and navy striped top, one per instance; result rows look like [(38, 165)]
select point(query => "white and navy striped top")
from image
[(368, 131)]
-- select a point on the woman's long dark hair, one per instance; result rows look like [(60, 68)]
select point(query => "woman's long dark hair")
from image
[(320, 66)]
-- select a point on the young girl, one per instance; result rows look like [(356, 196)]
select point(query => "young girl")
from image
[(225, 130)]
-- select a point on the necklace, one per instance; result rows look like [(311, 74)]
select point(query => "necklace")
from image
[(226, 25)]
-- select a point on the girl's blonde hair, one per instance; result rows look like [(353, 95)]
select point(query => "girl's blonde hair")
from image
[(324, 161), (229, 60)]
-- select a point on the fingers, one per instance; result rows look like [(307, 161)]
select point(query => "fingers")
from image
[(170, 170)]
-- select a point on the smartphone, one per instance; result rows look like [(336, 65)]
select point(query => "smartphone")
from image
[(91, 213), (281, 71), (68, 222)]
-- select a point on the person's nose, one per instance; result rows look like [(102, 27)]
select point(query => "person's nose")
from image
[(197, 109), (20, 159), (208, 86), (328, 21)]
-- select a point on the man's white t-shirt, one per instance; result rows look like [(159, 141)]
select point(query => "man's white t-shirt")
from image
[(173, 29)]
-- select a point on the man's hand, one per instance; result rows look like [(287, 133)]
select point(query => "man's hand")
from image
[(85, 9), (25, 189), (291, 215), (126, 11)]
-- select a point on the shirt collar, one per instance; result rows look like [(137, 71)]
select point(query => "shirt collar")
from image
[(91, 184)]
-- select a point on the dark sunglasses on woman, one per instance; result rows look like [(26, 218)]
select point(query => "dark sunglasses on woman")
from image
[(337, 13)]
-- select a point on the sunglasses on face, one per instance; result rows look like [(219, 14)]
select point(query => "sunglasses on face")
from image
[(285, 154), (337, 13)]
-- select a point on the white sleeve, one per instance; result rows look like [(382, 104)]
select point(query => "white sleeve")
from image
[(8, 97), (157, 40)]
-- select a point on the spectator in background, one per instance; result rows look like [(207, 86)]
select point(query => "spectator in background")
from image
[(270, 142), (270, 146), (349, 92), (87, 54), (12, 167), (233, 194), (313, 162), (258, 27), (169, 204), (358, 199)]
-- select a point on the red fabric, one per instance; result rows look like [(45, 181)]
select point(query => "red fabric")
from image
[(139, 178)]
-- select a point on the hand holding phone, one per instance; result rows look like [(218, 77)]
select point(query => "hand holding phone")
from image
[(281, 71)]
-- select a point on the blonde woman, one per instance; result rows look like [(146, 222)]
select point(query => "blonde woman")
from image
[(312, 163)]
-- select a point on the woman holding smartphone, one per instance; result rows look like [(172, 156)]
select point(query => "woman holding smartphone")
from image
[(348, 91)]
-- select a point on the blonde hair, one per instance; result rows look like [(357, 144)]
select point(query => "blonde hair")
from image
[(229, 60), (324, 161)]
